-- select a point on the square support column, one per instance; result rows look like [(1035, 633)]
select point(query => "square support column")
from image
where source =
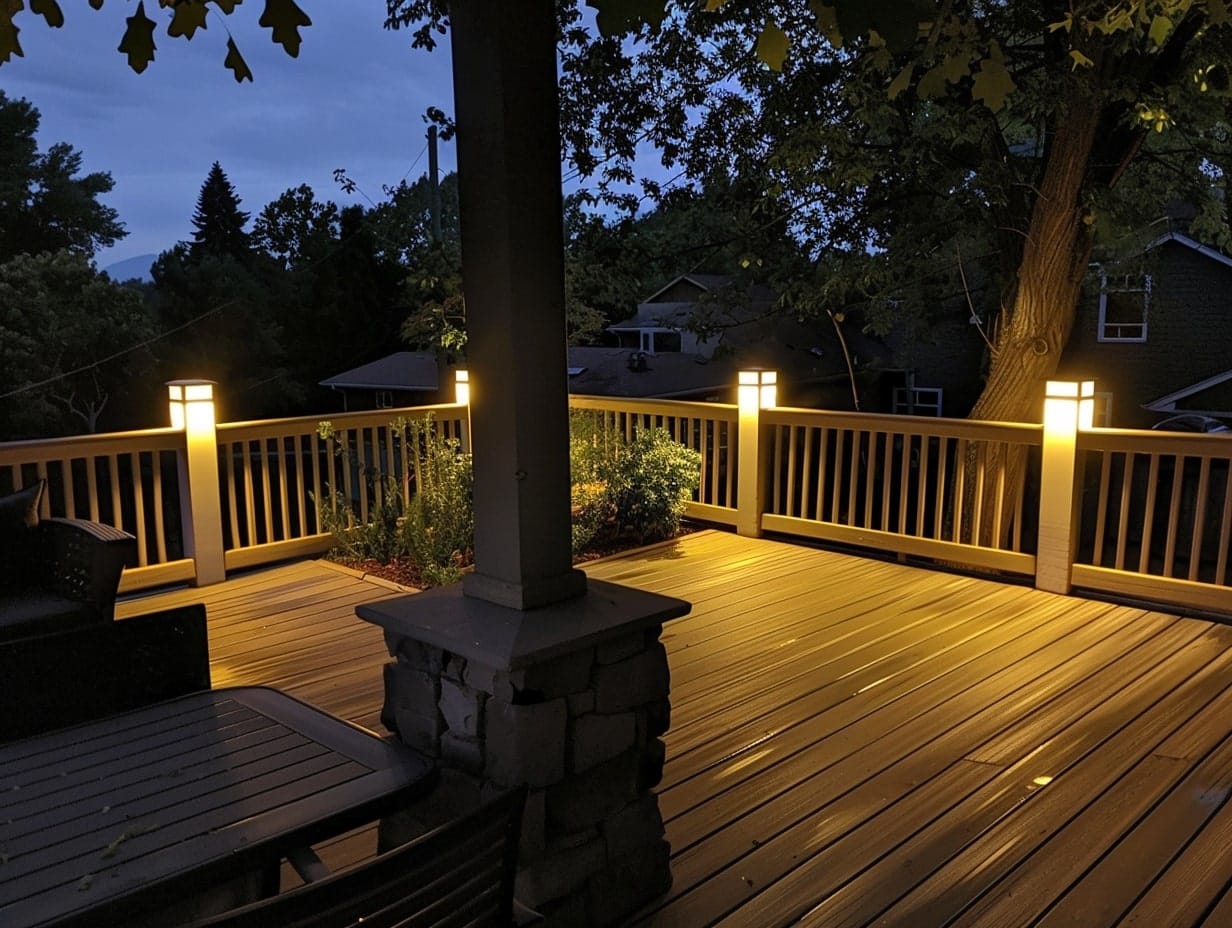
[(504, 65)]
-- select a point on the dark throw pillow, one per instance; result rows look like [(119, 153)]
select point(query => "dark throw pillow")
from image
[(19, 514)]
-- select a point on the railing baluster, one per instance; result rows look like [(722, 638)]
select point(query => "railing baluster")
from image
[(134, 465), (837, 510), (1225, 531), (791, 470), (1174, 514), (823, 469), (117, 511), (1199, 520), (961, 453), (1101, 506), (1148, 515), (806, 485), (999, 502), (943, 446), (160, 525), (66, 477)]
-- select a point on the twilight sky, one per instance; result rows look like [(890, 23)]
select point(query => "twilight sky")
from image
[(353, 99)]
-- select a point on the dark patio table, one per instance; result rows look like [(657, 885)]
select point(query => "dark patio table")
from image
[(104, 821)]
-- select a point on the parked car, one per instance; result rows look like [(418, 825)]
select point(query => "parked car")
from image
[(1192, 422)]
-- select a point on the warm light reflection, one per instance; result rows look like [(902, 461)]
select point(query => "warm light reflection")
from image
[(1042, 781)]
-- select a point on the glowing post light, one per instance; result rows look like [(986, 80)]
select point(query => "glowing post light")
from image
[(191, 405), (1069, 407), (755, 390), (462, 387), (758, 389)]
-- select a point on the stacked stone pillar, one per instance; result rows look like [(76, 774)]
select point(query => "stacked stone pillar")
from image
[(580, 726)]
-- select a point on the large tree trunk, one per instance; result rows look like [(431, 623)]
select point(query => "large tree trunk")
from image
[(1036, 326)]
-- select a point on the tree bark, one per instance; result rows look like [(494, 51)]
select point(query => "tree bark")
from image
[(1033, 332)]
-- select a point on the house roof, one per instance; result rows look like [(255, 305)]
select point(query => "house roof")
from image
[(1168, 403), (402, 370), (706, 282), (1180, 239)]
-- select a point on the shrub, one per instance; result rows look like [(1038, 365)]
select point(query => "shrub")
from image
[(378, 539), (628, 490), (439, 528)]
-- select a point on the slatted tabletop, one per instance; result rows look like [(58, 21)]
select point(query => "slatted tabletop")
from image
[(114, 816)]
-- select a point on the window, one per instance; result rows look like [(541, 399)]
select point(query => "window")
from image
[(384, 399), (1123, 302), (917, 401), (654, 341)]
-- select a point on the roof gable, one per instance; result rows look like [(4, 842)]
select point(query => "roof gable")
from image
[(1183, 400), (402, 370), (1204, 250)]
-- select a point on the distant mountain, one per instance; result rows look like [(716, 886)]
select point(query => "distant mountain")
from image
[(138, 267)]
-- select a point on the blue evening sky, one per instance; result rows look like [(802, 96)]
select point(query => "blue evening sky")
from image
[(353, 99)]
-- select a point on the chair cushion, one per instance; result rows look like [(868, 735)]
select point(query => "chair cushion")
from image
[(36, 612), (19, 518)]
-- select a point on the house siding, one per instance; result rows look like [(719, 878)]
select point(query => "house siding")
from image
[(1189, 335)]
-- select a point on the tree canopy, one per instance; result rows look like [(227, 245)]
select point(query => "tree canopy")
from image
[(45, 202), (922, 148)]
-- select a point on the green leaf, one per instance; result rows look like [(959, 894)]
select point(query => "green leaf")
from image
[(992, 84), (9, 46), (283, 18), (1161, 27), (826, 22), (49, 10), (138, 41), (901, 82), (1081, 60), (616, 17), (1217, 12), (772, 46), (235, 61), (189, 17), (97, 4), (956, 68), (933, 83)]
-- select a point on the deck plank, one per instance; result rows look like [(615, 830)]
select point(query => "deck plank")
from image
[(859, 742)]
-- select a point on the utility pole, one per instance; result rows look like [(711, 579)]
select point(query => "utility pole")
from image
[(434, 187)]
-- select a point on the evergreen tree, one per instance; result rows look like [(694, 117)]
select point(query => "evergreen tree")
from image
[(218, 219)]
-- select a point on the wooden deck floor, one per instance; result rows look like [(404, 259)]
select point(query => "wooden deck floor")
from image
[(856, 742)]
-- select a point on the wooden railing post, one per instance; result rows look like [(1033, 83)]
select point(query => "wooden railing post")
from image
[(757, 390), (192, 409), (462, 396), (1068, 407)]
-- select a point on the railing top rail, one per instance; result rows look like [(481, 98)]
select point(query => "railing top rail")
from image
[(663, 407), (299, 424), (1017, 432), (1148, 441), (81, 446)]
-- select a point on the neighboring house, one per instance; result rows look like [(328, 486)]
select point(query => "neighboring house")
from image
[(690, 339), (404, 378), (1155, 334), (933, 368)]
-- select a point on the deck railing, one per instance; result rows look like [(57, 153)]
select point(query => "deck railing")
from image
[(1149, 515)]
